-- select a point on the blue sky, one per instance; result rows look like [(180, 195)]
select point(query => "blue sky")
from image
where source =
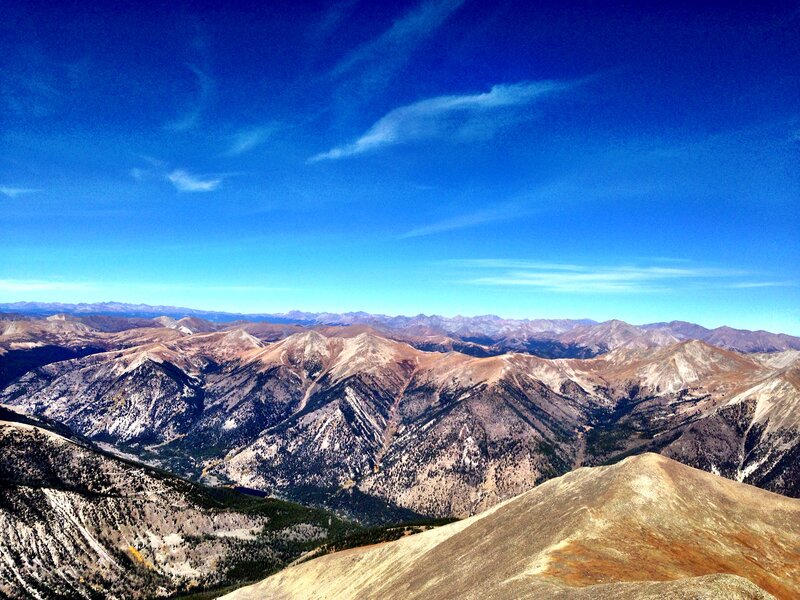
[(570, 159)]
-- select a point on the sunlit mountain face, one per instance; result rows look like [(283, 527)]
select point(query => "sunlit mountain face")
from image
[(433, 298), (632, 502)]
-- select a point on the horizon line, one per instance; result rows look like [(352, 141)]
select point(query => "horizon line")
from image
[(143, 306)]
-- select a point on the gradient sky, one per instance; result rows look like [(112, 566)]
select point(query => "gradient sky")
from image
[(566, 159)]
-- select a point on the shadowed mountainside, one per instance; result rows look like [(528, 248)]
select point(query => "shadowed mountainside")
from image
[(78, 523)]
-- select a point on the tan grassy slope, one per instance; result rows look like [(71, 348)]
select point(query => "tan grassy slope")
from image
[(647, 527)]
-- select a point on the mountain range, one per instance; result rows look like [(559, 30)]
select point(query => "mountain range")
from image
[(123, 437), (481, 335), (351, 420)]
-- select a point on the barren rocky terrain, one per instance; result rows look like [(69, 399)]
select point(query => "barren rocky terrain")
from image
[(647, 527), (377, 429), (78, 523)]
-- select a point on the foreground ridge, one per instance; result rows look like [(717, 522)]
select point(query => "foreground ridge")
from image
[(647, 527)]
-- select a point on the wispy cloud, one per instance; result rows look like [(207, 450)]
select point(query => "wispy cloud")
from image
[(481, 217), (761, 284), (40, 285), (334, 16), (33, 95), (583, 279), (138, 173), (33, 85), (205, 87), (366, 71), (546, 197), (386, 51), (434, 117), (43, 285), (181, 179), (510, 263), (13, 191), (187, 182), (245, 140)]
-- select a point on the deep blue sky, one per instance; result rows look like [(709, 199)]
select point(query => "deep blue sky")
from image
[(520, 158)]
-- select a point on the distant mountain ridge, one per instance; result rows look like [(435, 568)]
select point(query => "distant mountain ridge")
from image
[(728, 337), (478, 335), (124, 309), (377, 425)]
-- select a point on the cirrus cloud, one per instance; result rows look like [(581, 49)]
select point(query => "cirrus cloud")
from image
[(245, 140), (14, 191), (588, 279), (437, 116), (205, 89), (369, 68), (187, 182)]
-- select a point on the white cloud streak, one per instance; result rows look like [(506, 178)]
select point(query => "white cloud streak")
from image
[(744, 285), (555, 194), (41, 285), (138, 174), (507, 263), (434, 117), (248, 139), (14, 192), (181, 179), (205, 87), (583, 279), (481, 217), (187, 182), (390, 49), (370, 68)]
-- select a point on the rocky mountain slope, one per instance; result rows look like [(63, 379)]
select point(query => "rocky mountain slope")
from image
[(647, 527), (78, 523), (345, 418)]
